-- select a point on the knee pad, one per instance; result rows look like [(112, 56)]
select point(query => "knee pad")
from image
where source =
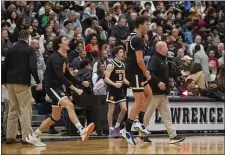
[(53, 119)]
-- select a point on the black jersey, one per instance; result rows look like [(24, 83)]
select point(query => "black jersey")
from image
[(117, 75), (135, 43)]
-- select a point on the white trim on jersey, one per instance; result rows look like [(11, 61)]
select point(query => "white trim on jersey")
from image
[(130, 42), (114, 62)]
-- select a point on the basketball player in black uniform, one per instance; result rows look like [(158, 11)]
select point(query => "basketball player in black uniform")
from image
[(138, 77), (115, 78), (56, 75)]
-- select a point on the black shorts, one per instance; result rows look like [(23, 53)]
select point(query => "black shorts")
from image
[(59, 92), (115, 96), (137, 81)]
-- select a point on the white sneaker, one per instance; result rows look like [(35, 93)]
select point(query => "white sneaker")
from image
[(35, 141), (128, 136), (87, 131), (140, 127)]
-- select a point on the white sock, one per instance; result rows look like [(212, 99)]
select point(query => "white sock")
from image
[(117, 125), (111, 128), (37, 133), (79, 127)]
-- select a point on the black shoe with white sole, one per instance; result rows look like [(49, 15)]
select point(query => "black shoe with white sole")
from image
[(176, 139)]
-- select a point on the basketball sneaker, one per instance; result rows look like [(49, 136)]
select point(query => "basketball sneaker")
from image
[(87, 131), (128, 136), (176, 139), (144, 139), (140, 127), (112, 133), (117, 132), (35, 141)]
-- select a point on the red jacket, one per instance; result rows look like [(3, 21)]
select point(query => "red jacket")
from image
[(89, 48)]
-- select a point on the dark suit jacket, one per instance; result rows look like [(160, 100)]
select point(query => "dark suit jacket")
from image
[(19, 64)]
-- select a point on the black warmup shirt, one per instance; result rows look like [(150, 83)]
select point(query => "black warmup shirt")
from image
[(135, 43), (57, 72)]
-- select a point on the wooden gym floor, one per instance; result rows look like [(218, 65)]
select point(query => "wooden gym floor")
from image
[(191, 145)]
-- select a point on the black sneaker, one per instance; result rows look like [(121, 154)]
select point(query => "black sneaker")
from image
[(176, 139), (144, 139)]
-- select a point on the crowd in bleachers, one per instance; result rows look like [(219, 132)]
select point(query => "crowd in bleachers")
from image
[(194, 33)]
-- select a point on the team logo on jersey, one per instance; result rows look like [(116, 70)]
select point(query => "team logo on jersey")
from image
[(111, 98), (64, 67)]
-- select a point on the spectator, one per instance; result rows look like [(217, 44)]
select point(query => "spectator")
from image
[(212, 57), (96, 29), (75, 21), (17, 77), (12, 21), (159, 33), (188, 35), (76, 61), (107, 23), (202, 58), (107, 48), (112, 44), (220, 49), (222, 59), (214, 47), (48, 51), (78, 38), (121, 31), (212, 70), (103, 60), (196, 11), (190, 87), (35, 25), (40, 68), (44, 18), (93, 46), (67, 31), (90, 11), (178, 60), (214, 32), (99, 74), (131, 21), (198, 40), (197, 75), (74, 52), (84, 74), (5, 44)]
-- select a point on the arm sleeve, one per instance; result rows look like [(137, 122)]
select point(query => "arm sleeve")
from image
[(137, 43), (57, 67), (152, 68), (33, 65)]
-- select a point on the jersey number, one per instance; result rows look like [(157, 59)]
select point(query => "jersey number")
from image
[(120, 77)]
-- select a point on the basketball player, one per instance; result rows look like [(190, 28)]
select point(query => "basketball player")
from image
[(115, 77), (56, 75), (138, 77)]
